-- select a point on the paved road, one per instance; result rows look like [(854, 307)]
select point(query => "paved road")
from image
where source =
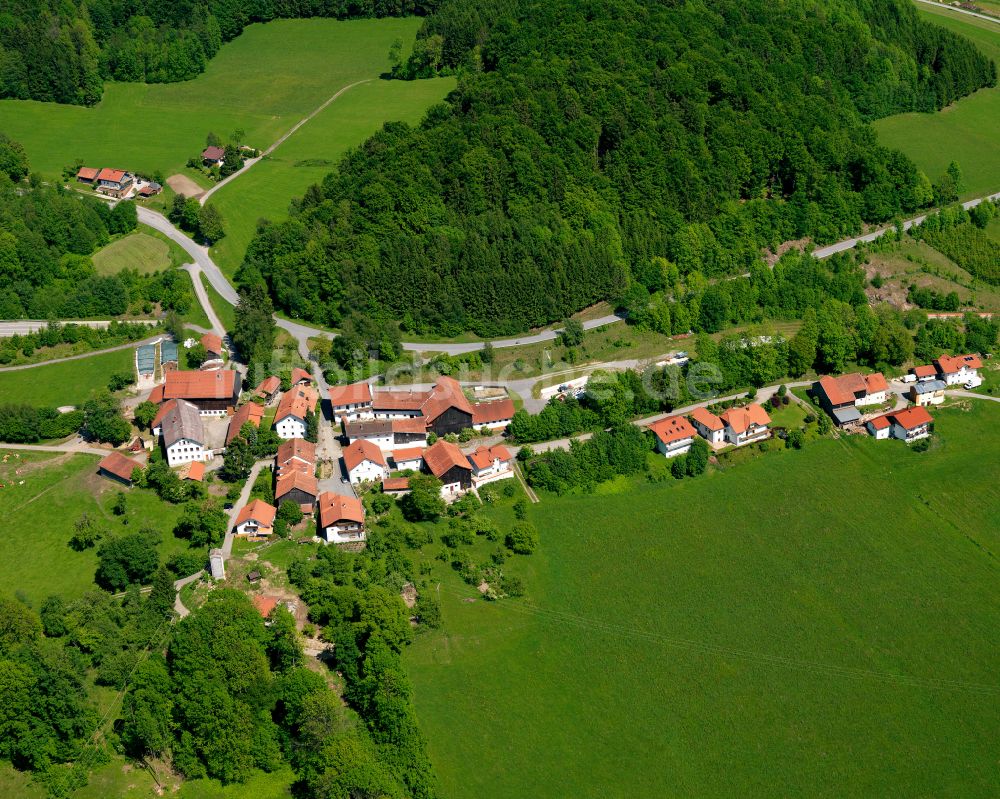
[(90, 354), (206, 304), (251, 161), (24, 326), (960, 10), (959, 392)]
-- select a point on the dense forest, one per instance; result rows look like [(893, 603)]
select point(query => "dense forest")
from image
[(584, 139), (63, 50)]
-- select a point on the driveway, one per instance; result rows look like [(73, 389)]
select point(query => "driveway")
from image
[(227, 544)]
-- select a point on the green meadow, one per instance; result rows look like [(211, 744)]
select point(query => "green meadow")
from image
[(140, 251), (67, 383), (812, 623), (264, 81), (267, 189), (966, 131)]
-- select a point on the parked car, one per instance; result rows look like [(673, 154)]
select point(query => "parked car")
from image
[(976, 382), (909, 378)]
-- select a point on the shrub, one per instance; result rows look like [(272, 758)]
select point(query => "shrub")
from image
[(523, 538)]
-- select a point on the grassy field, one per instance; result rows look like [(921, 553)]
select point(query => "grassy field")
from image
[(225, 311), (963, 132), (34, 554), (68, 383), (815, 623), (138, 251), (264, 81), (312, 152)]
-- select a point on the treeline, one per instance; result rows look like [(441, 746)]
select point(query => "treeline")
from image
[(26, 424), (82, 338), (960, 235), (580, 145), (64, 51)]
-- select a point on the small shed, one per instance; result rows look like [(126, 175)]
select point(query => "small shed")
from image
[(217, 562), (118, 467)]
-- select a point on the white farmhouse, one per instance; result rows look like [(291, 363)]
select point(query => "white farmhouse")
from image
[(365, 463), (293, 410), (184, 434)]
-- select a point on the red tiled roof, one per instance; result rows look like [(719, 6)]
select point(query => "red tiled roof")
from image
[(672, 428), (846, 388), (411, 425), (196, 471), (118, 465), (876, 382), (114, 175), (447, 393), (927, 370), (295, 478), (297, 448), (264, 604), (495, 411), (301, 374), (258, 510), (836, 393), (148, 190), (163, 411), (396, 484), (483, 457), (407, 454), (217, 384), (740, 419), (268, 386), (362, 450), (948, 365), (299, 402), (706, 418), (399, 400), (879, 422), (213, 153), (912, 417), (353, 394), (336, 507), (212, 343), (87, 173), (250, 412), (156, 395), (442, 456)]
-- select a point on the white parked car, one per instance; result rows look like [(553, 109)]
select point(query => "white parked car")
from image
[(976, 382), (909, 378)]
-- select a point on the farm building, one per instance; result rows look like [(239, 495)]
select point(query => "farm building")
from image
[(879, 427), (296, 453), (341, 518), (150, 189), (297, 486), (444, 409), (842, 396), (351, 402), (674, 435), (493, 415), (117, 467), (213, 393), (925, 372), (255, 518), (300, 377), (87, 175), (184, 434), (213, 346), (396, 486), (447, 463), (268, 388), (168, 352), (408, 458), (364, 462), (293, 411), (248, 412)]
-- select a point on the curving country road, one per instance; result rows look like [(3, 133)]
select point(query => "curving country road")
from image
[(965, 11)]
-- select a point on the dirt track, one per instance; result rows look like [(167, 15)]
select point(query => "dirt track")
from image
[(182, 184)]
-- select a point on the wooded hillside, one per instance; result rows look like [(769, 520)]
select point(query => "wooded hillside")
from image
[(587, 138)]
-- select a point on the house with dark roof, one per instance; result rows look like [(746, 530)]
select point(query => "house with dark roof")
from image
[(341, 518), (213, 156), (927, 392), (184, 434), (493, 414), (117, 467), (674, 435), (746, 425), (447, 463)]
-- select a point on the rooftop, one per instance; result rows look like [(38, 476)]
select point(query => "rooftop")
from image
[(297, 448), (182, 421), (338, 507), (910, 418), (290, 480), (706, 418), (353, 394), (299, 402), (218, 384), (362, 450), (249, 412), (483, 457), (442, 456), (118, 465), (948, 364), (740, 419), (259, 511), (672, 428), (492, 411)]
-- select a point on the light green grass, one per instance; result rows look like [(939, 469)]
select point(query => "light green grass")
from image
[(137, 251), (963, 132), (807, 624), (69, 383), (312, 152), (223, 310), (196, 314), (264, 81), (58, 489)]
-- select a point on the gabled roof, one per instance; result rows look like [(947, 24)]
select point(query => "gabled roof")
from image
[(876, 382), (87, 173), (672, 428), (929, 386), (183, 421), (264, 604), (911, 417), (334, 508), (217, 384), (847, 388), (268, 386), (299, 402), (879, 422), (447, 393), (927, 370), (259, 511), (414, 425), (740, 419), (250, 412), (353, 394), (443, 455), (212, 342), (391, 400), (298, 449), (949, 365), (370, 428), (495, 411), (483, 457), (290, 480), (836, 394), (195, 471), (213, 153), (114, 175), (299, 374), (706, 418), (164, 408), (360, 451), (118, 465), (156, 395), (396, 484), (407, 454)]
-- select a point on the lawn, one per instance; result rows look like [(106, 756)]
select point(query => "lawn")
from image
[(223, 310), (312, 152), (68, 383), (815, 623), (140, 251), (58, 489), (264, 81), (963, 132)]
